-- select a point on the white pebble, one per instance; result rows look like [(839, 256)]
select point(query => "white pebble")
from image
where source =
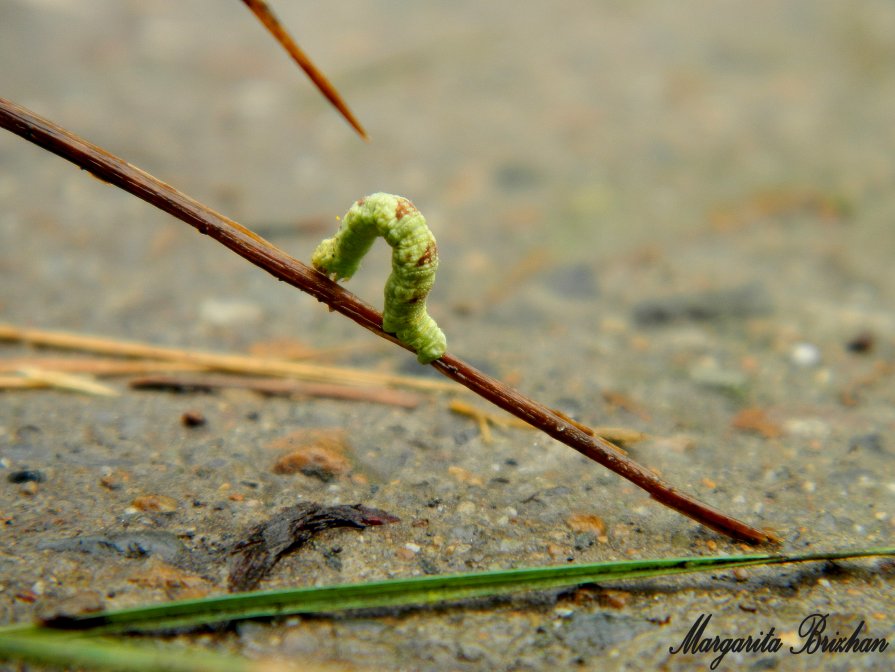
[(805, 354), (466, 507)]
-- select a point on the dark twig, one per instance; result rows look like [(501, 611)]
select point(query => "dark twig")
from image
[(279, 264)]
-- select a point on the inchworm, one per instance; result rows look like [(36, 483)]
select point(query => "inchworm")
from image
[(414, 262)]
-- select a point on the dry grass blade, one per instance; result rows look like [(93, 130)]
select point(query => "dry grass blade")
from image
[(482, 418), (244, 364), (67, 381), (20, 383), (96, 366)]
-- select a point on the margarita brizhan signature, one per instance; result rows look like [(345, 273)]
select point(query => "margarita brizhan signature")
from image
[(812, 632)]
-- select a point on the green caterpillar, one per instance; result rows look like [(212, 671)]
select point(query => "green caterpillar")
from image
[(414, 262)]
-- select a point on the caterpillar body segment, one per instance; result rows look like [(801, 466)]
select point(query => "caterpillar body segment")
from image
[(414, 263)]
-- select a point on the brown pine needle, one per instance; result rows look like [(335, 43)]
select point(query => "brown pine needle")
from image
[(277, 387), (267, 256), (266, 16)]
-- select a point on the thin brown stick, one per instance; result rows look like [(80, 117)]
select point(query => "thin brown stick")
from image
[(266, 16), (275, 387), (258, 251)]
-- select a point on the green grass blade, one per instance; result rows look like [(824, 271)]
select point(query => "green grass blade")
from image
[(420, 590), (52, 647)]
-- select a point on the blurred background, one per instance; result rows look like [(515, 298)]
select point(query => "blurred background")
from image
[(636, 143)]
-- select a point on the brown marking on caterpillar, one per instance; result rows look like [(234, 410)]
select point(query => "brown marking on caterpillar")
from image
[(404, 208), (431, 251), (361, 201)]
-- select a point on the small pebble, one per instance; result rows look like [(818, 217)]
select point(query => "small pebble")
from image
[(26, 476), (805, 354), (193, 419), (155, 503), (861, 343), (617, 599), (318, 453), (318, 461), (114, 479), (586, 522), (404, 553), (466, 507)]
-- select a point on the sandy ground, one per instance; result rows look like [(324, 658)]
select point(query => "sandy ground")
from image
[(675, 217)]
